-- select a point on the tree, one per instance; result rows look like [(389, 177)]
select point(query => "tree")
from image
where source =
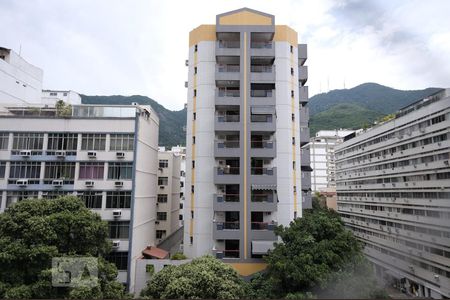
[(317, 254), (202, 278), (32, 232), (63, 109)]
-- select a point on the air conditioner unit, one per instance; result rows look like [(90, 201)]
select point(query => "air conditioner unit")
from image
[(25, 153), (89, 183), (118, 184), (22, 182), (58, 183), (60, 153), (120, 154), (115, 244), (92, 154), (117, 213)]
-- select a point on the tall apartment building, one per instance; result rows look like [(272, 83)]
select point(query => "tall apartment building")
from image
[(243, 176), (323, 166), (393, 189), (168, 202), (107, 155), (20, 81)]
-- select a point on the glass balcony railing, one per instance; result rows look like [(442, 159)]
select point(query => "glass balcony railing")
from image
[(261, 118), (229, 44), (261, 69), (228, 118), (228, 93), (261, 45), (229, 68), (261, 144), (261, 93)]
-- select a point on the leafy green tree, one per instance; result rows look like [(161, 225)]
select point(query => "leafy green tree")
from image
[(178, 256), (202, 278), (32, 232)]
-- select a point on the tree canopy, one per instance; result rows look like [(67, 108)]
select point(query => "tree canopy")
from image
[(34, 231), (202, 278)]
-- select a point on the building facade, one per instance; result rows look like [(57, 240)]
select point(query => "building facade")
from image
[(20, 81), (243, 173), (393, 189), (181, 151), (50, 97), (106, 155), (321, 148), (168, 201)]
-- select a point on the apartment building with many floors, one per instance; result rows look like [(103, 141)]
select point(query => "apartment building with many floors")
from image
[(243, 168), (106, 155), (393, 189)]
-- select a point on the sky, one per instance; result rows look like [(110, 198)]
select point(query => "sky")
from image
[(139, 47)]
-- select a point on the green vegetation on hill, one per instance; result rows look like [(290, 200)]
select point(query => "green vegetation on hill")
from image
[(171, 123)]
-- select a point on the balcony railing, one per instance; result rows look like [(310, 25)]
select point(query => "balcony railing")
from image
[(228, 118), (229, 68), (261, 118), (261, 93), (228, 225), (228, 144), (262, 198), (231, 253), (229, 44), (261, 45), (261, 144), (261, 69), (228, 198), (228, 93), (228, 170), (261, 171), (263, 225)]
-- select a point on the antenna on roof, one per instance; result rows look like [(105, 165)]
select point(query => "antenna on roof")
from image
[(20, 50)]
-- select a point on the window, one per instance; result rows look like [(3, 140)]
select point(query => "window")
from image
[(293, 140), (120, 199), (64, 94), (292, 49), (192, 188), (180, 217), (181, 205), (293, 165), (163, 163), (118, 171), (192, 214), (120, 259), (293, 117), (160, 234), (438, 119), (53, 94), (119, 229), (121, 142), (161, 216), (24, 170), (55, 194), (195, 93), (292, 94), (195, 70), (195, 48), (16, 196), (181, 184), (4, 137), (292, 71), (163, 181), (93, 141), (195, 116), (193, 140), (59, 170), (193, 164), (2, 169), (191, 240), (62, 141), (28, 141), (91, 170), (91, 199), (162, 198)]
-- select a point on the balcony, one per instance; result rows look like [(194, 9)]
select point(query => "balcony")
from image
[(302, 74), (304, 135), (227, 148), (264, 202), (306, 199), (228, 48), (226, 230), (302, 54), (226, 202), (227, 175), (262, 73), (303, 94), (306, 181), (262, 94), (263, 148), (229, 70), (227, 122), (262, 48), (263, 231), (264, 175), (263, 122), (304, 116), (305, 157), (228, 96)]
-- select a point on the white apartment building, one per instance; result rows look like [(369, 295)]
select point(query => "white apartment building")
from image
[(20, 81), (106, 155), (50, 97), (393, 192), (245, 88), (321, 148), (168, 199)]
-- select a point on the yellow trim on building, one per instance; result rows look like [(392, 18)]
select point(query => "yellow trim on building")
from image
[(246, 269), (245, 145), (245, 18), (284, 33), (202, 33)]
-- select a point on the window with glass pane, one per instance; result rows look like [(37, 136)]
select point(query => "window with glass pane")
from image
[(121, 142), (160, 234), (163, 163), (162, 198), (91, 199), (161, 216), (4, 138), (120, 171), (93, 141), (62, 141), (59, 170), (28, 141), (2, 169), (121, 199), (163, 180), (55, 194), (91, 170), (120, 259), (24, 170), (119, 229), (16, 196)]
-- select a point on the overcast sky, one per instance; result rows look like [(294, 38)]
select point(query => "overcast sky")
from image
[(128, 47)]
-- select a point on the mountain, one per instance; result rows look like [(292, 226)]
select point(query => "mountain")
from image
[(355, 107), (171, 123)]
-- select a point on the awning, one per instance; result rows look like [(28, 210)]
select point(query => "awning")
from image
[(263, 110), (256, 187), (262, 247), (154, 252), (306, 168)]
